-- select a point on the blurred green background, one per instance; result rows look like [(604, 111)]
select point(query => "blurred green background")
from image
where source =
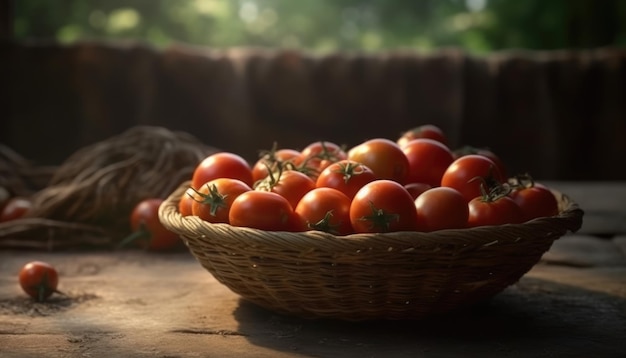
[(322, 26)]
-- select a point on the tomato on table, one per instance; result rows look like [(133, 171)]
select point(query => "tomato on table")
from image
[(441, 208), (325, 209), (384, 157), (221, 165), (383, 206), (39, 280), (346, 176), (264, 210)]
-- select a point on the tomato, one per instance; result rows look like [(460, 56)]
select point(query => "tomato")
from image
[(415, 189), (384, 157), (428, 160), (325, 209), (466, 150), (383, 206), (534, 199), (429, 131), (186, 201), (291, 184), (264, 210), (346, 176), (15, 208), (147, 230), (441, 208), (316, 156), (468, 173), (215, 198), (493, 210), (221, 165), (39, 280), (270, 160)]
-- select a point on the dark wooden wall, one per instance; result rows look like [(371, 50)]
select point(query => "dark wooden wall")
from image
[(557, 115)]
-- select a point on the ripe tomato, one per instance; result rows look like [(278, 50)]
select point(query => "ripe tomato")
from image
[(383, 206), (316, 156), (468, 173), (429, 131), (325, 209), (186, 201), (15, 208), (264, 210), (39, 280), (466, 150), (384, 157), (415, 189), (147, 230), (291, 184), (215, 198), (441, 208), (428, 160), (534, 199), (496, 210), (221, 165), (346, 176), (270, 160)]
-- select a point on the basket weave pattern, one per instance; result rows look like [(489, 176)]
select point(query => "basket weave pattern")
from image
[(399, 275)]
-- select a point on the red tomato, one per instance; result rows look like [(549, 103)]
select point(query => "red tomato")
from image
[(498, 210), (215, 198), (15, 208), (264, 210), (429, 131), (383, 206), (441, 208), (484, 152), (39, 280), (346, 176), (221, 165), (415, 189), (147, 230), (325, 209), (428, 160), (384, 157), (535, 200), (468, 173), (186, 202), (270, 160), (291, 184), (316, 156)]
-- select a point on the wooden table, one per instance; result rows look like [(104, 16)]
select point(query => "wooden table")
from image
[(137, 304)]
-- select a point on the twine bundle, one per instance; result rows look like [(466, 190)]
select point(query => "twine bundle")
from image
[(398, 275), (89, 198)]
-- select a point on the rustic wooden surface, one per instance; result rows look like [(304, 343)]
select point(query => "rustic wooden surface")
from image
[(137, 304)]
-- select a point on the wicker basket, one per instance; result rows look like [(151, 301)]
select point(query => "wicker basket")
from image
[(400, 275)]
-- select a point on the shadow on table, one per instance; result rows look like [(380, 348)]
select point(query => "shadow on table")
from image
[(532, 318)]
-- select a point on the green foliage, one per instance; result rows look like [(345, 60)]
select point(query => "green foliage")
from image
[(324, 25)]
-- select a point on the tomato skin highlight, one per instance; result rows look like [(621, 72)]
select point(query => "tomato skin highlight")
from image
[(441, 208), (383, 206), (147, 231), (15, 208), (221, 165), (39, 280), (346, 176), (264, 210), (428, 160), (467, 173), (384, 157), (325, 209)]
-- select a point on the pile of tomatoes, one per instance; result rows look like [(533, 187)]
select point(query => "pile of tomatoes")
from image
[(414, 183)]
